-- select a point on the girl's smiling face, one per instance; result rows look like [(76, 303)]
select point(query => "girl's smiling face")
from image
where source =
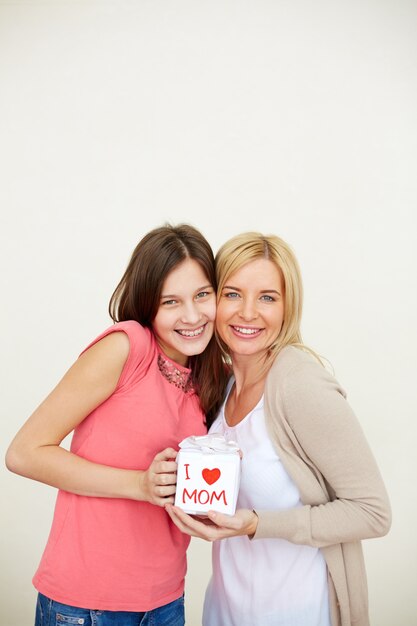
[(250, 310), (184, 323)]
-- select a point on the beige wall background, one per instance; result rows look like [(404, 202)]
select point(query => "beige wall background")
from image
[(297, 118)]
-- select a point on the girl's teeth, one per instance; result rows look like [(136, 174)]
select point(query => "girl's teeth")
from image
[(191, 333)]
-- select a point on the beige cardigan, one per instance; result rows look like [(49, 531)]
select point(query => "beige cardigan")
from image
[(322, 447)]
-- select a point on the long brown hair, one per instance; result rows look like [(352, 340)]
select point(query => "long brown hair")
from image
[(137, 297)]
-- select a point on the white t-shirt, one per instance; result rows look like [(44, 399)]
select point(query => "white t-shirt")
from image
[(264, 582)]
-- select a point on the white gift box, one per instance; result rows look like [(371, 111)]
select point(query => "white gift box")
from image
[(208, 475)]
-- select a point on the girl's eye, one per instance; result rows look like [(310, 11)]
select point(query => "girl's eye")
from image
[(203, 294), (169, 302)]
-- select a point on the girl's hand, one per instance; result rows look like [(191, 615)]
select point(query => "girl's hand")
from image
[(158, 482), (36, 451), (216, 525)]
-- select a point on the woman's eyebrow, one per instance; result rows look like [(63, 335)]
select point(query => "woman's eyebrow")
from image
[(231, 287), (261, 291)]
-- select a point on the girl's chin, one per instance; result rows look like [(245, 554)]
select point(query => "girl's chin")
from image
[(180, 350), (193, 348)]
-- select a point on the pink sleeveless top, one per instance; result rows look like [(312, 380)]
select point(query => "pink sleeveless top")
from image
[(118, 554)]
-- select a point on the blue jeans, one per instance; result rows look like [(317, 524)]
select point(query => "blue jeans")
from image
[(51, 613)]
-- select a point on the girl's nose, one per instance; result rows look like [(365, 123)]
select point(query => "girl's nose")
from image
[(191, 313)]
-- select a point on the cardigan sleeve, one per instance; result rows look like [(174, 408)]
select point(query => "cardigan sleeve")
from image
[(310, 405)]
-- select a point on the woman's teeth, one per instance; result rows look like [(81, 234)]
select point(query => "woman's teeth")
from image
[(246, 331)]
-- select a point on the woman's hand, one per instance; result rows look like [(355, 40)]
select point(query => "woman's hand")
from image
[(215, 525), (157, 483)]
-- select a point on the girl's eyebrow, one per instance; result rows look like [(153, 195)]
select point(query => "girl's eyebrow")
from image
[(174, 295)]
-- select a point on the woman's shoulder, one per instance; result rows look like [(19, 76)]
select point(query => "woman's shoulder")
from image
[(293, 357), (297, 369)]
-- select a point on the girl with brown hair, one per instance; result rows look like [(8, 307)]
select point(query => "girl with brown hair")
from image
[(113, 554)]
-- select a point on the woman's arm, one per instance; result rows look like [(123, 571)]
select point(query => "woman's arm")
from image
[(215, 525), (35, 452), (317, 433)]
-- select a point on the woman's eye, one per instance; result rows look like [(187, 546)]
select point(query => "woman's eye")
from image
[(267, 298), (231, 295)]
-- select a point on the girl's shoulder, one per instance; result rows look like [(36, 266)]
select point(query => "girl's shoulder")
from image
[(136, 333), (140, 351)]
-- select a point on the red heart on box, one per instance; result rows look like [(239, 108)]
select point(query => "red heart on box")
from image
[(211, 475)]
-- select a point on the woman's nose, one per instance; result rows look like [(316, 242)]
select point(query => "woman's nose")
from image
[(248, 310)]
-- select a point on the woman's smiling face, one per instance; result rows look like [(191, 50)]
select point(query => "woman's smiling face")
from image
[(250, 310), (184, 323)]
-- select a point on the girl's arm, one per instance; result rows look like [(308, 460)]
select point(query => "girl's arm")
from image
[(36, 453)]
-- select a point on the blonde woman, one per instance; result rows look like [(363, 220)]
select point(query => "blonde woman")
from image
[(310, 487)]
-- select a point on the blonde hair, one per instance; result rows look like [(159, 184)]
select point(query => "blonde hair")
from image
[(250, 246)]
